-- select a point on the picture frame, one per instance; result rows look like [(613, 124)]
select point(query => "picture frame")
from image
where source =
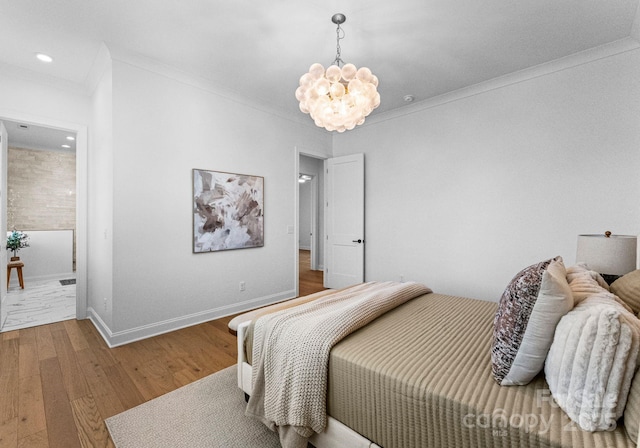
[(228, 211)]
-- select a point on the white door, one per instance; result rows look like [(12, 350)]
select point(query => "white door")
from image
[(3, 218), (345, 221)]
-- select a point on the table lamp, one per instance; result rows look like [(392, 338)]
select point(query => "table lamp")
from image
[(611, 256)]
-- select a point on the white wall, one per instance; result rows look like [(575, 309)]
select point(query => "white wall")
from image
[(464, 194), (49, 256), (164, 127), (26, 99), (100, 205)]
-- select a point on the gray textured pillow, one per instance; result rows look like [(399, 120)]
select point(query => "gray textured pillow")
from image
[(529, 310)]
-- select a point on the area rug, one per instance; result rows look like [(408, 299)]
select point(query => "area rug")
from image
[(207, 413), (71, 281)]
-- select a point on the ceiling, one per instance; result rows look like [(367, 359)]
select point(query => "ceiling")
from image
[(29, 136), (422, 48)]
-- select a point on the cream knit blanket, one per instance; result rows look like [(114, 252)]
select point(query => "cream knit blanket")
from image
[(291, 354)]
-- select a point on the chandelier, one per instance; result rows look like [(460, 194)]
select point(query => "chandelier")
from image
[(338, 99)]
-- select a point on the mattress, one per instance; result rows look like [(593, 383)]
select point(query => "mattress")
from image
[(420, 376)]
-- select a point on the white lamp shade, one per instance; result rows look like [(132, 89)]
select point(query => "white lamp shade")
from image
[(613, 255)]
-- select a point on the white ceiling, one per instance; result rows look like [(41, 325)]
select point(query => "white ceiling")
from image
[(29, 136), (424, 48)]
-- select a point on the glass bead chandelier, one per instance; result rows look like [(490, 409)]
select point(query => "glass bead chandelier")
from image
[(338, 99)]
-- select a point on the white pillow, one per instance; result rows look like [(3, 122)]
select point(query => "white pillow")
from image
[(592, 361), (529, 310)]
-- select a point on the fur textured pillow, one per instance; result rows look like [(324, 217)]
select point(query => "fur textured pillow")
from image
[(632, 410), (592, 361), (529, 310), (584, 282)]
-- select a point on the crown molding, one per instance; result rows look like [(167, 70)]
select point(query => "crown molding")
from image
[(14, 71), (143, 62), (100, 64), (635, 27), (557, 65)]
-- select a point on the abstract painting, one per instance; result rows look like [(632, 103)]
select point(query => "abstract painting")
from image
[(228, 211)]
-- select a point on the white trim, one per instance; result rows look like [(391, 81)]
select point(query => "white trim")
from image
[(40, 78), (547, 68), (296, 217), (2, 305), (99, 66), (146, 63), (635, 27), (296, 206), (81, 194), (117, 338), (314, 223)]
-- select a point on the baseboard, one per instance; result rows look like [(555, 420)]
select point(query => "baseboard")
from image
[(304, 247), (61, 276), (115, 339)]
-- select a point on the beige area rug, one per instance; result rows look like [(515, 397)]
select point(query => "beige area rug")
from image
[(207, 413)]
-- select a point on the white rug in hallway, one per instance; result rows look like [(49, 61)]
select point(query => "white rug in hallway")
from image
[(41, 302)]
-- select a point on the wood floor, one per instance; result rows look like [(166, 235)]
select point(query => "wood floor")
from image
[(59, 382), (310, 281)]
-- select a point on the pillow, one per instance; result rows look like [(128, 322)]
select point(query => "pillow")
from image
[(592, 361), (632, 410), (529, 310), (627, 288), (585, 283)]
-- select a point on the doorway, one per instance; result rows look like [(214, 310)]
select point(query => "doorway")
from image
[(41, 193), (310, 247)]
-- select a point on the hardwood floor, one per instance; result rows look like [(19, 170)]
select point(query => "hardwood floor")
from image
[(59, 382), (310, 281)]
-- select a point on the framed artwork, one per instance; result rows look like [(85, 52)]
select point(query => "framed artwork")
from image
[(228, 211)]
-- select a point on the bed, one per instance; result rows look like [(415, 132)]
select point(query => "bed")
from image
[(420, 376)]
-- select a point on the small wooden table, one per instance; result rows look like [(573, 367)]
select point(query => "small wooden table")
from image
[(18, 265)]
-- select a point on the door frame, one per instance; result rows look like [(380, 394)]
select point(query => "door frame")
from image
[(4, 145), (314, 222), (296, 246), (81, 193)]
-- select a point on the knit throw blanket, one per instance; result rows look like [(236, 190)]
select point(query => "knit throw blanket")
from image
[(291, 354)]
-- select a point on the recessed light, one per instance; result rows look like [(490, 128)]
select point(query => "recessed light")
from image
[(44, 57), (70, 138), (409, 98), (66, 146)]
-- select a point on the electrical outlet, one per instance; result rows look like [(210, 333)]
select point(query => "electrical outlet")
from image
[(242, 286), (105, 304), (402, 279)]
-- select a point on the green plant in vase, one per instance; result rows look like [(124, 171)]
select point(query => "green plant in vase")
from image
[(16, 240)]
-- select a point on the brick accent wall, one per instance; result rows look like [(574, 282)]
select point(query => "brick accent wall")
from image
[(41, 190)]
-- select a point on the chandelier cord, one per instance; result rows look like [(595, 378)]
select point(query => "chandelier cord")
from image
[(339, 36)]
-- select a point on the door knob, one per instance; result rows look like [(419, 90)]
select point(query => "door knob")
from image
[(357, 241)]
